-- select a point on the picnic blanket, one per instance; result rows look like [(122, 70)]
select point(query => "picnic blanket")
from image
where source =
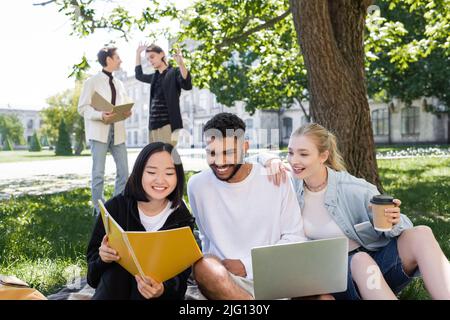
[(85, 292)]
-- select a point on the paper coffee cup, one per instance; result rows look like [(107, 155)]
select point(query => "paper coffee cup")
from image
[(379, 204)]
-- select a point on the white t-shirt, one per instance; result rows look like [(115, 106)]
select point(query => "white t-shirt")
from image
[(156, 222), (235, 217), (317, 221)]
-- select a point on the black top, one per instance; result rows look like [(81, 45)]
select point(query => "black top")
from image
[(159, 114), (172, 84), (110, 279)]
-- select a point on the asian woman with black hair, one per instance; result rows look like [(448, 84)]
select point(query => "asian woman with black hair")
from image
[(152, 201)]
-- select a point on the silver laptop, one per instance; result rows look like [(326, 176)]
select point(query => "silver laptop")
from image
[(300, 269)]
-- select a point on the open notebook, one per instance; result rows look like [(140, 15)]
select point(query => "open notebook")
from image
[(158, 254), (101, 104)]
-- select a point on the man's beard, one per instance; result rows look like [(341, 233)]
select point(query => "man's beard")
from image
[(235, 170)]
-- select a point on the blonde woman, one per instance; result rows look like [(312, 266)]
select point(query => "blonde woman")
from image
[(333, 202)]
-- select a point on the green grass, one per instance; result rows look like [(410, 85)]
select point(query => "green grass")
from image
[(423, 185), (25, 155), (40, 236), (43, 235)]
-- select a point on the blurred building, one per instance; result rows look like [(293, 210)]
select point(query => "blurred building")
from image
[(30, 119), (392, 123)]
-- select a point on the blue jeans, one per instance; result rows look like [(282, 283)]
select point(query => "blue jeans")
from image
[(388, 260), (119, 153)]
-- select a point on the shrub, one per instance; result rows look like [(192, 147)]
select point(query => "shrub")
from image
[(63, 145), (35, 144)]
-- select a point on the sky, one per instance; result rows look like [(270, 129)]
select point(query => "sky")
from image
[(37, 51)]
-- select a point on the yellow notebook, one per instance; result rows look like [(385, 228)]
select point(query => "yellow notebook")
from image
[(101, 104), (159, 254)]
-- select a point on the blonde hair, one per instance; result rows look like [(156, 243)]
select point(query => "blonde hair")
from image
[(324, 141)]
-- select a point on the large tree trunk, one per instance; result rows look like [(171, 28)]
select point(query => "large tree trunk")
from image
[(330, 33)]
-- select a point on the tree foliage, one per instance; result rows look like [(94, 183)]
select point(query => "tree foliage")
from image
[(7, 144), (407, 51), (247, 50), (35, 144), (63, 145), (64, 106), (11, 127)]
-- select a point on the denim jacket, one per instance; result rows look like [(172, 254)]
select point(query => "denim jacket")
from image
[(347, 201)]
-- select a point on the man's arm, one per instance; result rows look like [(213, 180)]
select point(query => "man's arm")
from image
[(84, 103), (262, 158), (192, 201)]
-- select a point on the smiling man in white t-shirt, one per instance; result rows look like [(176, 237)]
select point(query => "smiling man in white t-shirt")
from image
[(236, 209)]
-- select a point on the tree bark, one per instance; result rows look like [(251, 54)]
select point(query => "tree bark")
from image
[(330, 33), (308, 117)]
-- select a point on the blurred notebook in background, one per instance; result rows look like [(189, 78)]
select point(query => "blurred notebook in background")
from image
[(101, 104)]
